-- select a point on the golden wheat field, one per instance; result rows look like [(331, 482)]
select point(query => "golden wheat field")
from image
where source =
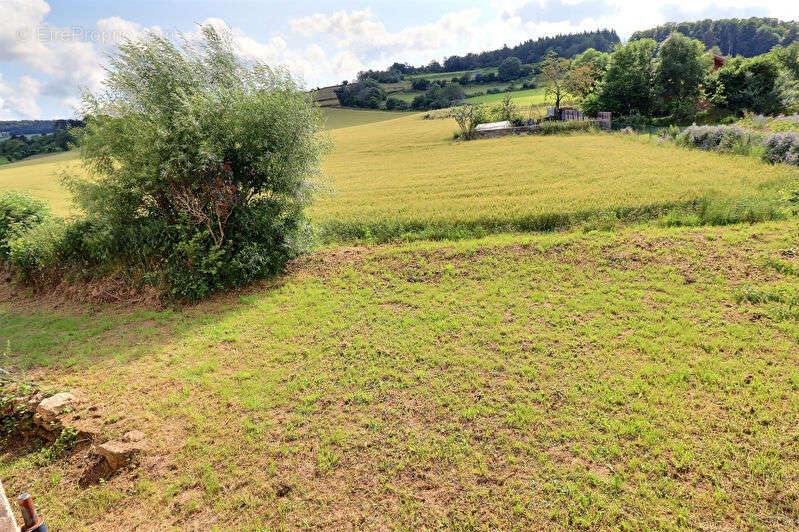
[(409, 171)]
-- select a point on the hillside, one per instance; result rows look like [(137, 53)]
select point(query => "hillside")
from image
[(746, 37), (471, 76)]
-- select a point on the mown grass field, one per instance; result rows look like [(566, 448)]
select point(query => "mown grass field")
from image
[(522, 98), (642, 379)]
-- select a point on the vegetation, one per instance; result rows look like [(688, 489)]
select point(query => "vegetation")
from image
[(731, 37), (36, 127), (531, 51), (678, 74), (626, 88), (583, 380), (468, 117), (180, 192), (19, 147), (522, 183), (747, 85)]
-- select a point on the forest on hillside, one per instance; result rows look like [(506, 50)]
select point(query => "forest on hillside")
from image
[(530, 51), (747, 37)]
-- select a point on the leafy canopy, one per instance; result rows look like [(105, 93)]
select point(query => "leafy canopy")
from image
[(198, 162)]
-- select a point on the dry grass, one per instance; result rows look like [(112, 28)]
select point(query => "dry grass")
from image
[(409, 171)]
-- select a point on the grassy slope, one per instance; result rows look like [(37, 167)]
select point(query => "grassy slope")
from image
[(38, 176), (408, 174), (523, 98), (341, 118), (539, 382)]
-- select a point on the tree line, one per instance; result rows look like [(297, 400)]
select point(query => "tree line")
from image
[(675, 81), (746, 37), (530, 51), (18, 147)]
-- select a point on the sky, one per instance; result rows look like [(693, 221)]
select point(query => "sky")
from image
[(53, 51)]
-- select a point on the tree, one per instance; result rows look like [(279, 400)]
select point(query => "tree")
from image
[(580, 80), (627, 85), (468, 117), (199, 166), (510, 69), (679, 72), (420, 84), (555, 70), (598, 60), (747, 85)]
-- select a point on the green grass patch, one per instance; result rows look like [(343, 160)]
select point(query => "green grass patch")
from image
[(643, 378)]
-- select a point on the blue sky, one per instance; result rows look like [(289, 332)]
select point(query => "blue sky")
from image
[(52, 50)]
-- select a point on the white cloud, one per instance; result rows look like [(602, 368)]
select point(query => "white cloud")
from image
[(20, 100), (362, 31)]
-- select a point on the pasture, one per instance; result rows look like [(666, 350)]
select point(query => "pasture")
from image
[(523, 98), (407, 175), (639, 379)]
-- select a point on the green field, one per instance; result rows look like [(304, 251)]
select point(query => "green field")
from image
[(643, 379), (408, 175), (523, 98), (337, 118), (611, 373)]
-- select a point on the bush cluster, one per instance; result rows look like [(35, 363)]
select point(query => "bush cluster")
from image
[(782, 148), (570, 126), (18, 213), (775, 148), (199, 167), (728, 139)]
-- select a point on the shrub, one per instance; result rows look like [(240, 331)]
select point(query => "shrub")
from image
[(420, 84), (396, 104), (18, 212), (782, 148), (468, 117), (199, 168), (728, 139), (36, 249)]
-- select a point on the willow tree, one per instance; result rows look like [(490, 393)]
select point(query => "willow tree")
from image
[(200, 165)]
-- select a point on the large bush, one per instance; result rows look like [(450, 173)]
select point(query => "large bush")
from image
[(199, 168)]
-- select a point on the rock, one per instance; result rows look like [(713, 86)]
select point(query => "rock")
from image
[(118, 454), (55, 405), (87, 429), (133, 436)]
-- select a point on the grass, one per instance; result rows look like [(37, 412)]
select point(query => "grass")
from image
[(638, 379), (337, 118), (37, 176), (407, 176), (522, 98)]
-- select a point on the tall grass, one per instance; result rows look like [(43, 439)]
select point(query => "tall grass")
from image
[(407, 179)]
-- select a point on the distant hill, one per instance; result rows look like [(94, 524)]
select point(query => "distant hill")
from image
[(747, 37), (530, 51), (35, 127)]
